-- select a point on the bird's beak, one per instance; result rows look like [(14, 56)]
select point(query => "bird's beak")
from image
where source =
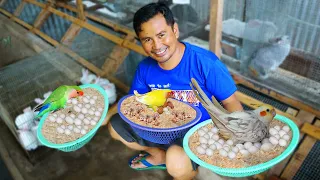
[(273, 112)]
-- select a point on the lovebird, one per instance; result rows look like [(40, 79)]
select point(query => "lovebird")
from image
[(153, 99), (239, 126), (58, 99)]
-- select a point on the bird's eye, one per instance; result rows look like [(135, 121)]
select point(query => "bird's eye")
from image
[(77, 92), (268, 110)]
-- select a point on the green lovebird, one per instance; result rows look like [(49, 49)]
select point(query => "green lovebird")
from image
[(58, 99)]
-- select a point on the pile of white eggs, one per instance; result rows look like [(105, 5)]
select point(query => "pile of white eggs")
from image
[(87, 116), (210, 142)]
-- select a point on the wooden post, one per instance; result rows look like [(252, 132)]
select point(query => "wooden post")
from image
[(69, 36), (116, 58), (215, 35), (19, 9), (80, 10)]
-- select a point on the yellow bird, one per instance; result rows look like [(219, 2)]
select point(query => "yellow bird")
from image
[(153, 99)]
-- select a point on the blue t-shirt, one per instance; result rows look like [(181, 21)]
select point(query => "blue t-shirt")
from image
[(200, 64)]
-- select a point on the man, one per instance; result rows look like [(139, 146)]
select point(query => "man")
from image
[(171, 65)]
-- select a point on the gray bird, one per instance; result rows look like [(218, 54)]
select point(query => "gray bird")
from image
[(239, 126), (268, 58)]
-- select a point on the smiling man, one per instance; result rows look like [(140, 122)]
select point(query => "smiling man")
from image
[(171, 65)]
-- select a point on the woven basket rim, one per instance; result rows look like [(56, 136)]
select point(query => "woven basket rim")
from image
[(92, 132), (235, 172)]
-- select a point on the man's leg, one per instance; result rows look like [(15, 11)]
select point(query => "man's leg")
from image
[(157, 156), (178, 164)]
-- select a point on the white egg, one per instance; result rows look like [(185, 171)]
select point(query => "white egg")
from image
[(257, 144), (86, 100), (282, 132), (247, 145), (211, 141), (209, 152), (84, 110), (282, 142), (240, 146), (210, 134), (215, 130), (93, 123), (165, 109), (93, 109), (205, 129), (206, 136), (200, 150), (265, 140), (89, 118), (62, 116), (87, 106), (52, 119), (60, 130), (79, 127), (86, 121), (277, 128), (55, 115), (95, 97), (221, 141), (76, 130), (277, 136), (69, 120), (70, 127), (76, 108), (218, 145), (235, 149), (98, 114), (266, 146), (244, 152), (223, 153), (202, 140), (286, 128), (231, 155), (83, 131), (74, 101), (273, 131), (91, 112), (73, 116), (273, 140), (213, 147), (80, 105), (204, 146), (100, 109), (215, 137), (229, 142), (80, 116), (63, 126), (59, 120), (92, 101), (253, 149), (77, 122), (227, 148), (96, 119), (286, 137), (67, 131), (85, 127), (201, 132)]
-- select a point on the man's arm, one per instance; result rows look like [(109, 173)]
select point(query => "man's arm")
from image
[(232, 104)]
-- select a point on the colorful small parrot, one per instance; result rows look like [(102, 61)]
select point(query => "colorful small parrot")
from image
[(239, 126), (153, 99), (58, 99)]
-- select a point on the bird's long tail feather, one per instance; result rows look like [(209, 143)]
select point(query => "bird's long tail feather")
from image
[(213, 111)]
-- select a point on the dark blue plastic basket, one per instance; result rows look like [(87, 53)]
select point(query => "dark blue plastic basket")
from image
[(160, 135)]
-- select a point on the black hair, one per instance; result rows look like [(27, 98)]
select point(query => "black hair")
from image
[(148, 11)]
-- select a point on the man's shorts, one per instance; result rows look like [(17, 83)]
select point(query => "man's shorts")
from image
[(127, 133)]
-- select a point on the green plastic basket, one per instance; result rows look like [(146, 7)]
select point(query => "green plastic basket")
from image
[(75, 145), (248, 171)]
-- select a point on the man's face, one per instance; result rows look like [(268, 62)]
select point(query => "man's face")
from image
[(158, 39)]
